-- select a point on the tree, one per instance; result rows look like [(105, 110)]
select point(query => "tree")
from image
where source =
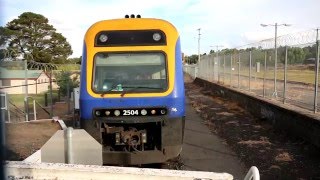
[(75, 60), (65, 79), (193, 59), (296, 55), (2, 54), (31, 37), (310, 51), (228, 51)]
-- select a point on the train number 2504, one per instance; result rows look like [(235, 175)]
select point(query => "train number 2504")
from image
[(130, 112)]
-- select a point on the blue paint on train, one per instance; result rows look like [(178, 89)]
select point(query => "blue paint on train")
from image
[(174, 102)]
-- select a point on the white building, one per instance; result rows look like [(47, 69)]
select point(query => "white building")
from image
[(13, 81)]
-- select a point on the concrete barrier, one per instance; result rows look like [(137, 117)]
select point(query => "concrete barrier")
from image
[(25, 170), (34, 158), (292, 120), (74, 146)]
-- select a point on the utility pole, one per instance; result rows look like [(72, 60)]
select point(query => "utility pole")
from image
[(199, 44)]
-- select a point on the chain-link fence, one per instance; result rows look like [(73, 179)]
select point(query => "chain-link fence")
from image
[(36, 90), (287, 73)]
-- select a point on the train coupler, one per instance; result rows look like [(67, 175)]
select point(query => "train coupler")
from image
[(131, 137)]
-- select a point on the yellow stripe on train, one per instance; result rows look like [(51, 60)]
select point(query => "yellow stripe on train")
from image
[(132, 24)]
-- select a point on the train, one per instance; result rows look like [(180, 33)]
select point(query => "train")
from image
[(132, 98)]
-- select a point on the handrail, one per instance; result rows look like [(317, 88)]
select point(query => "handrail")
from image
[(42, 107), (16, 107), (253, 174), (16, 115), (34, 107)]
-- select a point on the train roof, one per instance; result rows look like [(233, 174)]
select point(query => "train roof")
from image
[(133, 24)]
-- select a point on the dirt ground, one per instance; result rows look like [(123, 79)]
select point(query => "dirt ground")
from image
[(25, 138), (256, 143)]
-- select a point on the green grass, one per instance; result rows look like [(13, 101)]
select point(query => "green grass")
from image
[(305, 76), (18, 99)]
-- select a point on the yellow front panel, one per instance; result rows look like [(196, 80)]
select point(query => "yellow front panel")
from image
[(132, 24)]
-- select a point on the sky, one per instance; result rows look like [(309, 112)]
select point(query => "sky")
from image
[(224, 23)]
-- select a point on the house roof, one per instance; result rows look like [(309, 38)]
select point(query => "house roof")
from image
[(19, 74)]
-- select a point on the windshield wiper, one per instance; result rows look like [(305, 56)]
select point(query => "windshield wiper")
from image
[(113, 87), (136, 87)]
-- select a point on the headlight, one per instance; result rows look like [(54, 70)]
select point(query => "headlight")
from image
[(98, 113), (103, 38), (116, 112), (163, 111), (153, 111), (144, 137), (156, 36), (107, 113), (143, 112), (117, 138)]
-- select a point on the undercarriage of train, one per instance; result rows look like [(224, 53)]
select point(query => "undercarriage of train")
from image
[(131, 137)]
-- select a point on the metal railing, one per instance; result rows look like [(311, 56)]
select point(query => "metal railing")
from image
[(253, 174), (34, 108), (15, 113)]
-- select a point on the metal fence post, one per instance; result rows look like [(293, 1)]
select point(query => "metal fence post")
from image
[(317, 76), (3, 149), (218, 69), (250, 64), (68, 94), (192, 72), (231, 70), (8, 108), (26, 104), (4, 105), (239, 70), (264, 74), (69, 158), (34, 110), (26, 89), (51, 108), (209, 70), (224, 67), (213, 69), (285, 75)]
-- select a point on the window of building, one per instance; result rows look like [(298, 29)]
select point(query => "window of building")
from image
[(6, 82)]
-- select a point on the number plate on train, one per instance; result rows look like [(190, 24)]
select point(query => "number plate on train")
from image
[(130, 112)]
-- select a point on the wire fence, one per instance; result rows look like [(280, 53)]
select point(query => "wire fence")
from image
[(288, 74), (30, 85)]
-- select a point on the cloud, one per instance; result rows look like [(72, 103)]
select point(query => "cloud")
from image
[(229, 22)]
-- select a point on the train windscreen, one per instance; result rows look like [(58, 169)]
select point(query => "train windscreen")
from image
[(133, 72)]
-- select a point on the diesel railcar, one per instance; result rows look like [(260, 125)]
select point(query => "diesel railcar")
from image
[(132, 91)]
